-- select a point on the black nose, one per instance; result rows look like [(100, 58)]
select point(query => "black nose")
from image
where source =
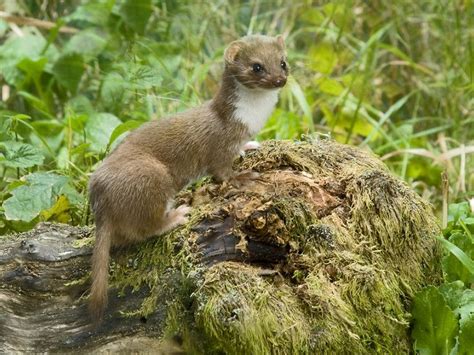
[(279, 82)]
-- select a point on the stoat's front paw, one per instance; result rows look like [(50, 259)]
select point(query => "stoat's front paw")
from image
[(251, 145)]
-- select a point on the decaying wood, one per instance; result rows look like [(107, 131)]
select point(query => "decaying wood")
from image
[(315, 221), (43, 310), (40, 310)]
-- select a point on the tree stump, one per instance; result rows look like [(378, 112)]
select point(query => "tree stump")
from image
[(321, 253)]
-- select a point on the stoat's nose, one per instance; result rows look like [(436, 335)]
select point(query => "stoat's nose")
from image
[(279, 82)]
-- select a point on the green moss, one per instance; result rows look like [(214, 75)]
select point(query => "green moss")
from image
[(360, 243), (242, 313)]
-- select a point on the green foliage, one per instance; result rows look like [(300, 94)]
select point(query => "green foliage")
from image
[(365, 74), (39, 193), (459, 264), (443, 317), (435, 323), (20, 155)]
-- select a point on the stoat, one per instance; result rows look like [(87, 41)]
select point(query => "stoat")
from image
[(132, 190)]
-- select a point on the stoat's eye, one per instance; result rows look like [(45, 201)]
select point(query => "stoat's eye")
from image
[(283, 65), (257, 68)]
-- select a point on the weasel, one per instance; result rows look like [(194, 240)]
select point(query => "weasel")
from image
[(132, 191)]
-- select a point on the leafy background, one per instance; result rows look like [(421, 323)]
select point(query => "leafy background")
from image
[(393, 77)]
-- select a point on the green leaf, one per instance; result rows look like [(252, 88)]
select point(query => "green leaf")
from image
[(322, 58), (15, 49), (20, 155), (136, 14), (68, 70), (452, 293), (96, 12), (435, 324), (88, 43), (122, 128), (99, 128), (33, 68), (80, 104), (466, 336), (39, 193), (27, 202), (54, 181), (114, 90), (459, 298), (21, 117), (47, 128), (58, 211), (330, 86), (458, 264), (457, 211)]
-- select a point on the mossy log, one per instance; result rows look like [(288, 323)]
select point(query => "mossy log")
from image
[(320, 254)]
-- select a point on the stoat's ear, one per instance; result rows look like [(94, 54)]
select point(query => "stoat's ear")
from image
[(281, 41), (232, 50)]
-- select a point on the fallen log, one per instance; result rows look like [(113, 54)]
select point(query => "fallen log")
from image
[(321, 253)]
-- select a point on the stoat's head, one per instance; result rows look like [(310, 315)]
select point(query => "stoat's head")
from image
[(258, 61)]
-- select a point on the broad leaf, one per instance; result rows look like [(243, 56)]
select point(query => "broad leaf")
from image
[(322, 58), (459, 298), (99, 128), (20, 155), (136, 14), (466, 336), (68, 70), (329, 86), (16, 49), (452, 293), (122, 128), (58, 211), (435, 324), (465, 309), (31, 67), (457, 211), (88, 43), (115, 90), (96, 12), (40, 193)]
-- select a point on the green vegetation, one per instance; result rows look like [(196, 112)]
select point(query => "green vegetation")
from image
[(393, 77), (443, 316), (396, 78)]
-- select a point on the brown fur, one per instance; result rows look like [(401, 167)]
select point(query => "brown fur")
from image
[(132, 189)]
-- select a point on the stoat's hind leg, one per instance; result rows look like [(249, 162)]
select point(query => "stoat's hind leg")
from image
[(174, 218)]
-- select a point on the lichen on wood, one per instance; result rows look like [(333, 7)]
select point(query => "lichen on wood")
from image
[(320, 254)]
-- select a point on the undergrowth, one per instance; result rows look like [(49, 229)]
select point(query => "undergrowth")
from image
[(395, 78)]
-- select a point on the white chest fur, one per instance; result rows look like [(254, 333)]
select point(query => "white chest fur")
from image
[(254, 106)]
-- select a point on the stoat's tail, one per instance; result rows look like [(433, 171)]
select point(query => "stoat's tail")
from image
[(100, 273)]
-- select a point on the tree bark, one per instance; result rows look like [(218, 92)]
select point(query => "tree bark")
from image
[(41, 306)]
